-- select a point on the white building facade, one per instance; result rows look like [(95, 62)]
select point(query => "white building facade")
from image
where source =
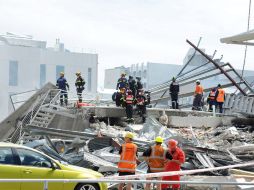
[(112, 76), (27, 64)]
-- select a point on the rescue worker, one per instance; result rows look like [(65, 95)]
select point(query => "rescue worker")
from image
[(128, 159), (175, 157), (132, 85), (141, 102), (122, 82), (211, 99), (198, 96), (220, 97), (139, 84), (129, 101), (80, 83), (118, 97), (121, 98), (63, 85), (155, 157), (174, 91)]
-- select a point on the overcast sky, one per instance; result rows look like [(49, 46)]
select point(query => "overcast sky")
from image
[(125, 32)]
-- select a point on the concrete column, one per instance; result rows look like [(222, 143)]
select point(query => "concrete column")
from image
[(231, 101), (226, 102), (250, 105), (236, 103), (241, 101), (245, 103)]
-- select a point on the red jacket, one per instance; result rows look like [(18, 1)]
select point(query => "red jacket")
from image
[(179, 155)]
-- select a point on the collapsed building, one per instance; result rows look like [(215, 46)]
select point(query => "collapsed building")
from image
[(91, 136)]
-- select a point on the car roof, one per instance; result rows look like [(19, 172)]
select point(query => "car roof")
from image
[(12, 145), (9, 144)]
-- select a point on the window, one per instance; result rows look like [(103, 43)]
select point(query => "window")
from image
[(6, 156), (42, 74), (31, 158), (59, 68), (13, 73), (89, 85)]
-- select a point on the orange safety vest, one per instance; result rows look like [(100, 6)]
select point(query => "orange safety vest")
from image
[(199, 89), (212, 95), (128, 158), (129, 99), (221, 95), (156, 159)]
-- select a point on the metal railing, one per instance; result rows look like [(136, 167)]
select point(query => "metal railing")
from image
[(46, 182)]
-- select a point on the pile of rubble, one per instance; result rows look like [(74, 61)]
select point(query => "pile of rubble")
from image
[(204, 147)]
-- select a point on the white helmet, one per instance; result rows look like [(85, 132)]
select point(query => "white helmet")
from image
[(197, 81)]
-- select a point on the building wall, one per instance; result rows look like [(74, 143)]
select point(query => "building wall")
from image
[(29, 61), (159, 73), (112, 75)]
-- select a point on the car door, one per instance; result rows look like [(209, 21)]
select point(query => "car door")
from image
[(37, 166), (9, 169)]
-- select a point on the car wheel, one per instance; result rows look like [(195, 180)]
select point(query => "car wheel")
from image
[(87, 187)]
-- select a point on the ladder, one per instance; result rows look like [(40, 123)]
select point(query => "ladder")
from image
[(37, 115)]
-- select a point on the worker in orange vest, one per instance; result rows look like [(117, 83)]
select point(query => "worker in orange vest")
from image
[(211, 100), (175, 158), (198, 96), (220, 97), (155, 157), (128, 159)]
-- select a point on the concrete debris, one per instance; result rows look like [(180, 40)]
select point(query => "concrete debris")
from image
[(204, 147)]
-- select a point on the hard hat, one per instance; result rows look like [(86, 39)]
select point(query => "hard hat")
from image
[(197, 81), (78, 73), (172, 143), (219, 85), (61, 73), (123, 74), (129, 135), (173, 79), (159, 139)]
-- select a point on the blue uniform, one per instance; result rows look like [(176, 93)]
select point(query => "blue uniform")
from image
[(61, 83), (121, 83)]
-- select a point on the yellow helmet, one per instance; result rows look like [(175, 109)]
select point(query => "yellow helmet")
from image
[(61, 73), (159, 139), (123, 74), (78, 73), (129, 135)]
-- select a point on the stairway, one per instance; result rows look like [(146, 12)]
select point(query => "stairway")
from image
[(42, 119), (36, 115)]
